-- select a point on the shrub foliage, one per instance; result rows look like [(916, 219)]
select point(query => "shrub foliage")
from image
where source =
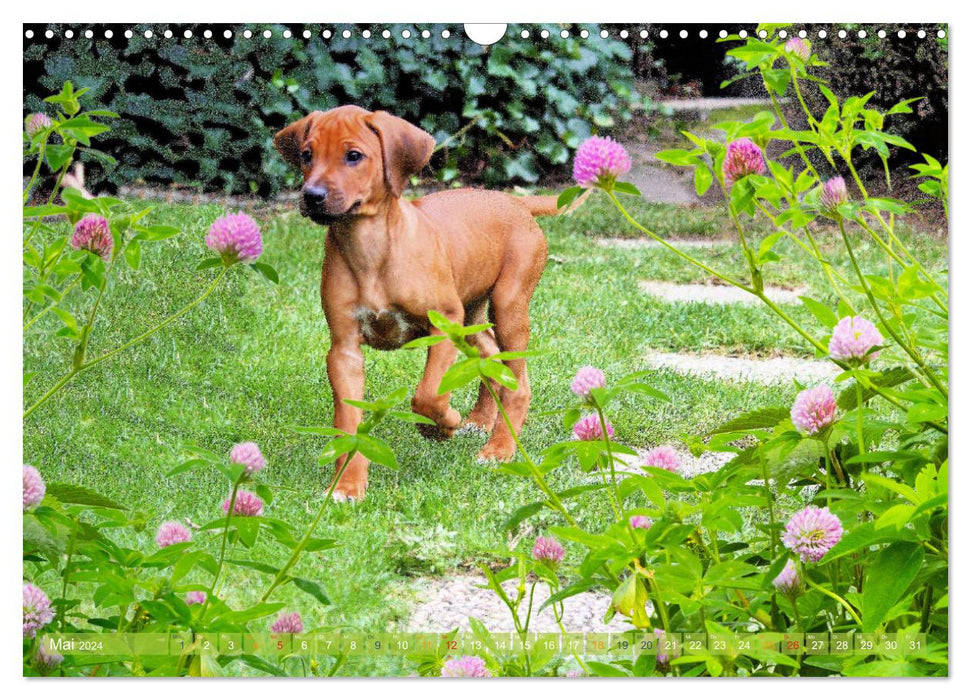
[(202, 112)]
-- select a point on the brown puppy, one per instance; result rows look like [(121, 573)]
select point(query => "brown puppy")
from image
[(389, 261)]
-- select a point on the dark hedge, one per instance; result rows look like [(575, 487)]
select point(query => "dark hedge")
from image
[(894, 69), (202, 112)]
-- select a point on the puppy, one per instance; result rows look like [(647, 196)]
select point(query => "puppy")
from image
[(467, 254)]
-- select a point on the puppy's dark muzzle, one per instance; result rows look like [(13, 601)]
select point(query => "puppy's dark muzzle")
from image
[(314, 198), (313, 205)]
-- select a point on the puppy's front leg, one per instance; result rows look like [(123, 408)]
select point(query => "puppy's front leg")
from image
[(427, 401), (345, 368)]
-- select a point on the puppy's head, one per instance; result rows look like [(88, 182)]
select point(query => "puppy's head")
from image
[(352, 160)]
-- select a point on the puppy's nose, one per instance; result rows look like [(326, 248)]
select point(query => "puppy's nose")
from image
[(315, 196)]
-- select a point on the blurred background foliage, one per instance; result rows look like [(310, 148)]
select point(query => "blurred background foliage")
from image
[(201, 113)]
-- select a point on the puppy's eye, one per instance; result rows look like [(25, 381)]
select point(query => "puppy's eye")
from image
[(306, 156), (353, 156)]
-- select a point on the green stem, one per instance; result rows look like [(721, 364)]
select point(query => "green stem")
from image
[(298, 549), (82, 345), (888, 249), (795, 142), (50, 200), (886, 227), (662, 609), (559, 623), (537, 476), (754, 271), (67, 572), (40, 161), (827, 465), (925, 612), (770, 504), (837, 469), (835, 597), (861, 446), (831, 273), (93, 363), (810, 119), (51, 306), (679, 253), (914, 355), (610, 458), (768, 302), (222, 548)]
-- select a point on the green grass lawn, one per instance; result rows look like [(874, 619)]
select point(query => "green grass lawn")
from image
[(250, 361)]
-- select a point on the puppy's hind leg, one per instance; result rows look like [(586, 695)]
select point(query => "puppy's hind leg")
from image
[(483, 414), (510, 312)]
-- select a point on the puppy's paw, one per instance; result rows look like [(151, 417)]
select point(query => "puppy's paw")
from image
[(351, 491), (496, 452), (435, 432), (444, 428), (469, 427)]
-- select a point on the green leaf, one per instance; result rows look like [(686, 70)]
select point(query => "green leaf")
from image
[(318, 544), (889, 378), (424, 342), (81, 128), (376, 450), (522, 513), (823, 313), (499, 372), (703, 179), (44, 210), (267, 271), (410, 417), (459, 374), (255, 565), (189, 466), (678, 156), (209, 262), (133, 254), (759, 419), (888, 577), (313, 588), (259, 664), (335, 448), (606, 670), (860, 538), (568, 196), (777, 79), (58, 156), (626, 188), (79, 495), (157, 232)]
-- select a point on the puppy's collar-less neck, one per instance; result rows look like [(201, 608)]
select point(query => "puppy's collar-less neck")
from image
[(367, 241)]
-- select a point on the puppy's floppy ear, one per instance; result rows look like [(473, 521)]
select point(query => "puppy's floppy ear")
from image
[(289, 140), (404, 147)]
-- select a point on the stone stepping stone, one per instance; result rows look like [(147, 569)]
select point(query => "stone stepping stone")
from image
[(645, 242), (772, 370), (715, 293), (710, 104), (449, 602)]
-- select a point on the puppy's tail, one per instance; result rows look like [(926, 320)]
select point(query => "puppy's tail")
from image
[(545, 205)]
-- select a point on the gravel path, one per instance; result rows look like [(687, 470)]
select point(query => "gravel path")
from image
[(691, 466), (448, 603), (716, 294), (768, 371)]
